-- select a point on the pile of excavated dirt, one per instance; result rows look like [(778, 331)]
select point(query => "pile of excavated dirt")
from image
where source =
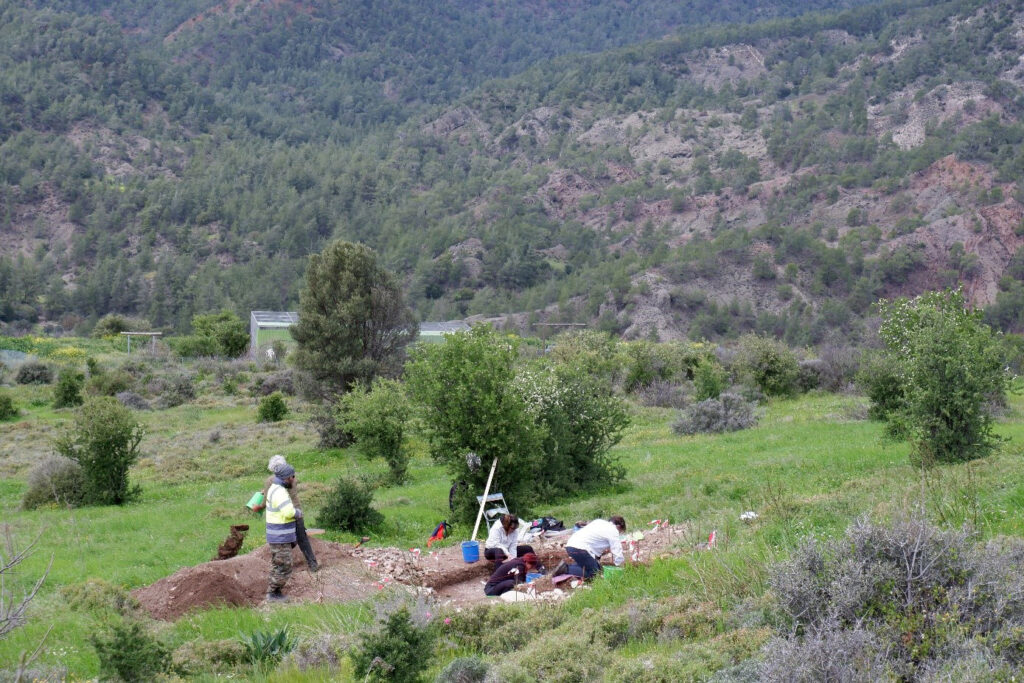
[(349, 573)]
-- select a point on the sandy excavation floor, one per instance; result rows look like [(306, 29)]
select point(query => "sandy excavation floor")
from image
[(348, 573)]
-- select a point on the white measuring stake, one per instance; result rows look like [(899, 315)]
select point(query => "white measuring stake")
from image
[(483, 501)]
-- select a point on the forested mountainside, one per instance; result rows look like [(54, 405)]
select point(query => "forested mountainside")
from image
[(604, 162)]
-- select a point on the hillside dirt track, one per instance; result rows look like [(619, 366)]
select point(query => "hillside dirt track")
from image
[(348, 573)]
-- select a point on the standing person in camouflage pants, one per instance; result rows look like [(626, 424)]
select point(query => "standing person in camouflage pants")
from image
[(280, 531)]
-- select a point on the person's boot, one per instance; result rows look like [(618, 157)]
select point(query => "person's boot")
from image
[(313, 566), (276, 596)]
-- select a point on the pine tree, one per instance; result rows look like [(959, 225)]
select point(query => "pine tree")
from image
[(354, 323)]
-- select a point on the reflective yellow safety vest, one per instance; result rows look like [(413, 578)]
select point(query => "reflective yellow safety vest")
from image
[(280, 515)]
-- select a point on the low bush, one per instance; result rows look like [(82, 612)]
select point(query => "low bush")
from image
[(662, 394), (464, 670), (130, 399), (8, 411), (727, 413), (272, 408), (838, 368), (348, 508), (904, 600), (880, 380), (104, 440), (34, 372), (194, 346), (395, 652), (809, 374), (68, 392), (54, 479), (281, 382), (112, 325), (110, 383), (128, 652), (173, 390)]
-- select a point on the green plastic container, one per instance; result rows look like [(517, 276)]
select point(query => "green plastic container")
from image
[(612, 573), (256, 500)]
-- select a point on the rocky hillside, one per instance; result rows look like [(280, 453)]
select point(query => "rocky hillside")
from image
[(777, 176)]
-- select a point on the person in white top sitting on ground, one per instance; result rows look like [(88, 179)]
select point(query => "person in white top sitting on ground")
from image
[(503, 540), (586, 546)]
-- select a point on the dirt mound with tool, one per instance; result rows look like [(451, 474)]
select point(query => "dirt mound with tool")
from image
[(349, 573)]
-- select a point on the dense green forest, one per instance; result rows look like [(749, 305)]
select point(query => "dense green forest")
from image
[(651, 168)]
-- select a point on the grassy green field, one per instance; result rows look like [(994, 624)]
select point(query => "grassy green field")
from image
[(811, 466)]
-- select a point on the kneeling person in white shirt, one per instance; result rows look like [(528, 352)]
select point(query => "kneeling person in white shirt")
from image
[(586, 546)]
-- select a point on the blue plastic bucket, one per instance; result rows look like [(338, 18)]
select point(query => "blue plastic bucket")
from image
[(470, 551), (533, 576)]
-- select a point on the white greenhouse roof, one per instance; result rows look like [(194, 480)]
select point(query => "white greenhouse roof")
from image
[(275, 318), (430, 328)]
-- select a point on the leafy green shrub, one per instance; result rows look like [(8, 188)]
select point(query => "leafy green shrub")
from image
[(94, 595), (348, 508), (104, 441), (34, 372), (194, 346), (226, 329), (881, 382), (396, 652), (272, 408), (128, 652), (951, 367), (112, 325), (464, 670), (55, 479), (377, 417), (110, 383), (553, 428), (769, 363), (267, 647), (853, 610), (727, 413), (709, 379), (68, 392), (8, 411)]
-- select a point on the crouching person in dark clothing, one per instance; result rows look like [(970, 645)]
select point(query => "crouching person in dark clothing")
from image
[(510, 573)]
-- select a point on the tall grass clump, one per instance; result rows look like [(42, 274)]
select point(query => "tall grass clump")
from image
[(904, 600)]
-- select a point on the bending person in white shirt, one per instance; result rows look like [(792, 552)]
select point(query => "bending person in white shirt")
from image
[(503, 540), (586, 546)]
